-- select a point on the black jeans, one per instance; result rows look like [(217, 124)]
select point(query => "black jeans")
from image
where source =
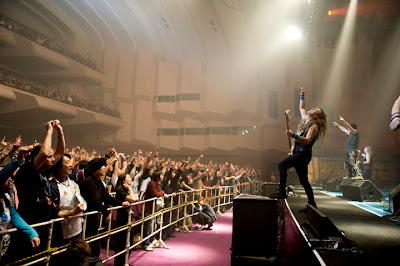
[(92, 229), (300, 161)]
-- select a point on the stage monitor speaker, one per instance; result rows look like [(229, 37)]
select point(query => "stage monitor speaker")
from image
[(361, 190), (332, 185), (255, 226), (394, 199), (318, 225), (269, 188)]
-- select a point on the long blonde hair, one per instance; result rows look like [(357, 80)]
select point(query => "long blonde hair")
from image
[(369, 149), (319, 120)]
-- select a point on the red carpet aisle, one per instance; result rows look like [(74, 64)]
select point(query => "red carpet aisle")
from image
[(207, 247)]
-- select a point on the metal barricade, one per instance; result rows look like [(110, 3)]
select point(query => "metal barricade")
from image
[(220, 197)]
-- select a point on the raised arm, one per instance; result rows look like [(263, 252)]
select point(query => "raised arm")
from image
[(302, 105), (345, 130), (130, 197), (124, 163), (348, 126), (197, 161), (45, 149), (60, 150), (114, 176)]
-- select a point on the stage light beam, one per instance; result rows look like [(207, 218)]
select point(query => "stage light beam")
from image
[(293, 33)]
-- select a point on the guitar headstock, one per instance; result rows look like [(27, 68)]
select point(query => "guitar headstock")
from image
[(287, 113)]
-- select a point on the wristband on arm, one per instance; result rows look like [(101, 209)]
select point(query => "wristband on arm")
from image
[(394, 116)]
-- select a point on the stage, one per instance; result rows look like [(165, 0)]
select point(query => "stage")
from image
[(372, 236)]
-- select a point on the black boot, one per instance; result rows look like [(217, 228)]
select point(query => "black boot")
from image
[(279, 194)]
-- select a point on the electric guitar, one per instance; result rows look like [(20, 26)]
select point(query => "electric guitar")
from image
[(287, 115)]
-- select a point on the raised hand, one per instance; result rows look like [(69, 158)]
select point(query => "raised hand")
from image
[(49, 125), (17, 143), (4, 142), (111, 152), (57, 126), (23, 152)]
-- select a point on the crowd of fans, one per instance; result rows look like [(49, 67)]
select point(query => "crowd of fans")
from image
[(47, 42), (16, 81), (42, 184)]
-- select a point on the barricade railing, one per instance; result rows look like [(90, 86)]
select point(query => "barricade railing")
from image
[(178, 206)]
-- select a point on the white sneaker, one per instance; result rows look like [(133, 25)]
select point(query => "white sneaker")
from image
[(149, 249), (200, 228), (155, 241)]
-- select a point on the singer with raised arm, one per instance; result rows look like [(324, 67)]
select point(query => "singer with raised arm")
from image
[(352, 147), (311, 127)]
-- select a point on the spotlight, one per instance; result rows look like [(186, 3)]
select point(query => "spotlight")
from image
[(329, 13), (293, 33)]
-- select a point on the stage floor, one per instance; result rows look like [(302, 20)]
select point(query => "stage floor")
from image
[(376, 236)]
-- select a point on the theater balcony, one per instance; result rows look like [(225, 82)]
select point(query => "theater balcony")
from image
[(35, 60), (26, 112)]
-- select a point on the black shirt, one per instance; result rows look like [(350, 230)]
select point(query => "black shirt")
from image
[(32, 189)]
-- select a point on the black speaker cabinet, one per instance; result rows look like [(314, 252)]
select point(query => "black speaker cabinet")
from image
[(318, 225), (332, 185), (269, 188), (394, 199), (255, 226), (361, 190)]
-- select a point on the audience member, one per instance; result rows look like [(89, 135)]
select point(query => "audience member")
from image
[(124, 192), (94, 192), (66, 199), (79, 254), (206, 214), (8, 211), (153, 190), (33, 191)]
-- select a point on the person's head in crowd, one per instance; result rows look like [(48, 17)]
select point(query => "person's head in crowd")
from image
[(201, 200), (122, 180), (96, 168), (157, 177), (152, 169), (50, 158), (63, 167), (79, 253), (82, 164)]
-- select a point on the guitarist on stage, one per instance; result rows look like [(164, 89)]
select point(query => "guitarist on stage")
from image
[(311, 127)]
